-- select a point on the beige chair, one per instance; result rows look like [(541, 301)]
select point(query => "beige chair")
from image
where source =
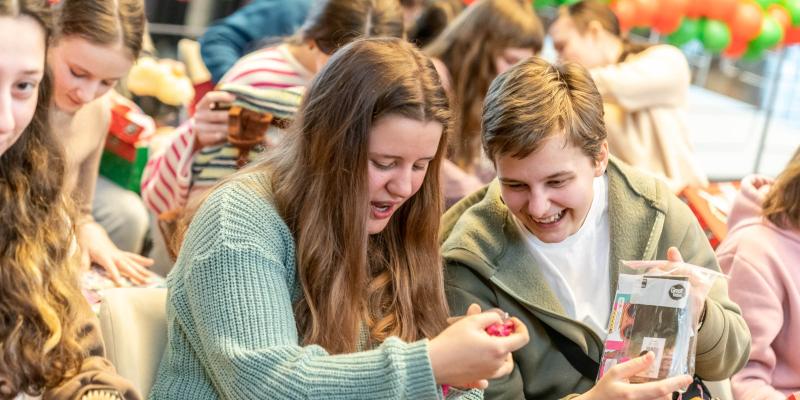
[(133, 321)]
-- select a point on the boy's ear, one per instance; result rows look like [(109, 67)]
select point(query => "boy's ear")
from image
[(601, 163)]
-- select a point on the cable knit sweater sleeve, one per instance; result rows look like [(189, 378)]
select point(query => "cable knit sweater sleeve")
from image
[(230, 314)]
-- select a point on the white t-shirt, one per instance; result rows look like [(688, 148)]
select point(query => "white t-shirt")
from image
[(577, 268)]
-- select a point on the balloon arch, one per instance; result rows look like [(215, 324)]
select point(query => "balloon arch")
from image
[(735, 28)]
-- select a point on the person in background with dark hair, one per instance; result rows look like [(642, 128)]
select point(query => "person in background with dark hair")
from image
[(544, 241), (50, 343), (761, 254), (644, 89), (232, 37), (435, 16), (315, 273)]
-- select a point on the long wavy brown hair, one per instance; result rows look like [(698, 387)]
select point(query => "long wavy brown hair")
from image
[(468, 48), (39, 295), (392, 282)]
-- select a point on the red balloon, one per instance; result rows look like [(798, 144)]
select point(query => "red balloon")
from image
[(746, 21), (696, 8), (646, 11), (626, 13), (721, 9), (671, 9), (666, 24), (736, 48), (792, 36), (781, 15)]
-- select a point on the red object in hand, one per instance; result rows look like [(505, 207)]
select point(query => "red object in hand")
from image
[(501, 329)]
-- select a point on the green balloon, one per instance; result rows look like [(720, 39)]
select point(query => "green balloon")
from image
[(716, 36), (793, 7), (688, 30), (539, 4), (753, 53), (765, 3), (771, 34)]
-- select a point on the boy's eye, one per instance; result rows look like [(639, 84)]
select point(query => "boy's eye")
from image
[(515, 186), (557, 183)]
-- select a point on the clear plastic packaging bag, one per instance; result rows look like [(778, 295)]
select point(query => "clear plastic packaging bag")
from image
[(657, 307)]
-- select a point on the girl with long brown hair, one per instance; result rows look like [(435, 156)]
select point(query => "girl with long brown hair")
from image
[(644, 91), (485, 40), (49, 343), (316, 273), (95, 45)]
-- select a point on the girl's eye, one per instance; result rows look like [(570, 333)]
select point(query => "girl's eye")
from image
[(418, 167), (76, 74), (557, 183), (25, 89), (383, 166)]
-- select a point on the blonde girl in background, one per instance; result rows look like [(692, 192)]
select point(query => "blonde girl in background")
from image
[(96, 43)]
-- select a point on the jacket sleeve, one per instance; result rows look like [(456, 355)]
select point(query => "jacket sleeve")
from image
[(96, 373), (464, 288), (659, 76), (723, 342), (761, 298), (227, 40)]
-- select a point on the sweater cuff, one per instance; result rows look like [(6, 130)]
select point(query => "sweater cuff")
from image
[(421, 383)]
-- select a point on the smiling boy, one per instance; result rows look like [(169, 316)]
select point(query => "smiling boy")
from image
[(543, 241)]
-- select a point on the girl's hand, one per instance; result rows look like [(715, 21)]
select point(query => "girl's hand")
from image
[(464, 355)]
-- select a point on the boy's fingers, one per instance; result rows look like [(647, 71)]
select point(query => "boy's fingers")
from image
[(674, 255), (632, 367), (664, 387)]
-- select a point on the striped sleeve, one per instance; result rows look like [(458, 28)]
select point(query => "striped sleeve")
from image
[(267, 68), (167, 176)]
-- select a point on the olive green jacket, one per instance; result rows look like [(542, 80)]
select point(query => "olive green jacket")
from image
[(488, 262)]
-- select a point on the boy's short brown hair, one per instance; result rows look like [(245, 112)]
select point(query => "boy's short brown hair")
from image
[(535, 100)]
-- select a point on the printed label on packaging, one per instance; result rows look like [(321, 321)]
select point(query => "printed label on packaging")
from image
[(662, 291), (656, 345)]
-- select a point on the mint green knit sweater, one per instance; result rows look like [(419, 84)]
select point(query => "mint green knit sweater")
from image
[(231, 328)]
